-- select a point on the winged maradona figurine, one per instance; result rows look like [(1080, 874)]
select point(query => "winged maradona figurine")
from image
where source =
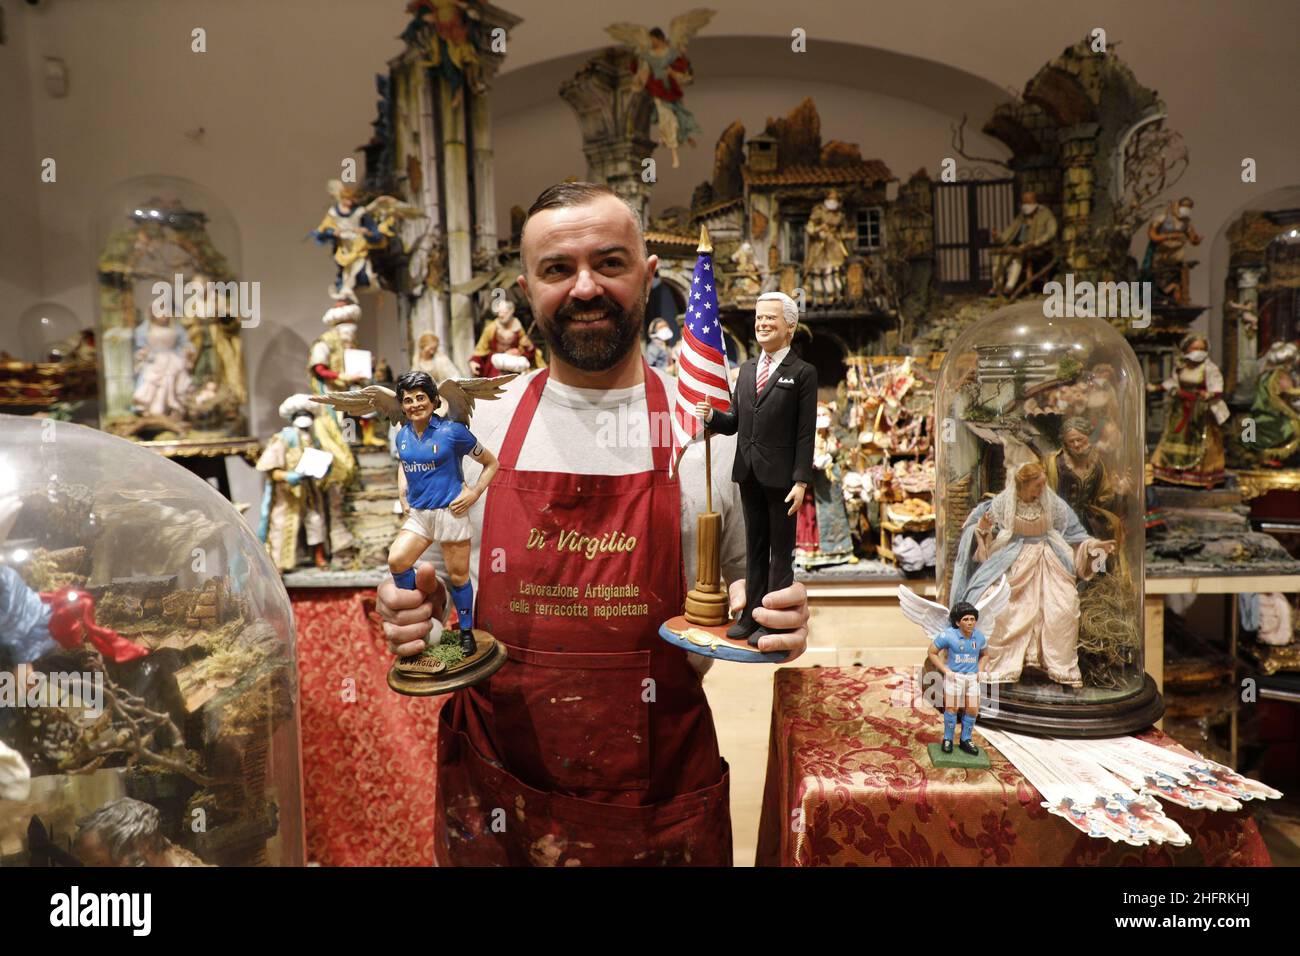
[(663, 70), (435, 498), (958, 634)]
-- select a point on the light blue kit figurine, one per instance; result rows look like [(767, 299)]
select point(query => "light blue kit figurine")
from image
[(958, 647), (965, 646)]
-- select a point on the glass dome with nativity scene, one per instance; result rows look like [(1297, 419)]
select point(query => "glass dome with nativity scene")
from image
[(1039, 482), (148, 694), (171, 311)]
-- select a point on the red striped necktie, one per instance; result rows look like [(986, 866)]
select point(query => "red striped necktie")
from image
[(763, 368)]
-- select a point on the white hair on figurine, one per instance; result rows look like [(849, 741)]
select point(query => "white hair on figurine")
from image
[(788, 307)]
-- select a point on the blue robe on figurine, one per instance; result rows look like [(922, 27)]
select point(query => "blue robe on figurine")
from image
[(1044, 551), (24, 621)]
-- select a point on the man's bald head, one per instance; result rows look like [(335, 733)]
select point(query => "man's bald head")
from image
[(586, 275), (566, 195)]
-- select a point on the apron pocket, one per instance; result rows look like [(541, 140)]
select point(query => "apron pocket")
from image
[(574, 721), (552, 829)]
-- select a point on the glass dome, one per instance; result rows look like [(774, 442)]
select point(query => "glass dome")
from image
[(148, 685), (1039, 480), (171, 312), (45, 328)]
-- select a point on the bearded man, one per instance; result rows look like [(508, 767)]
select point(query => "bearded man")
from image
[(595, 737)]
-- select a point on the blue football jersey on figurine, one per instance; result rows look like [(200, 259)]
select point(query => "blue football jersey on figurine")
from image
[(963, 652), (432, 461)]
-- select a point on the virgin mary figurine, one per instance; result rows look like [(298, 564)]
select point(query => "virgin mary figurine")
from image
[(1030, 534)]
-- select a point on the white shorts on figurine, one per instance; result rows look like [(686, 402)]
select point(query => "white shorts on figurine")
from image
[(437, 524), (961, 685)]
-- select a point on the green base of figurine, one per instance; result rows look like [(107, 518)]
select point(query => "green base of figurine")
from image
[(958, 759)]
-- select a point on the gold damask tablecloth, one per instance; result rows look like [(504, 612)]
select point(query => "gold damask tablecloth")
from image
[(849, 783)]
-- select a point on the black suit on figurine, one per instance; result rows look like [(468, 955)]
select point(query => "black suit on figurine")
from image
[(774, 449)]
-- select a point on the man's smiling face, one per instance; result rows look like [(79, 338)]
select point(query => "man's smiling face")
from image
[(588, 279), (770, 328)]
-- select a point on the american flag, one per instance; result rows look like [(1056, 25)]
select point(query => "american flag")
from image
[(702, 362)]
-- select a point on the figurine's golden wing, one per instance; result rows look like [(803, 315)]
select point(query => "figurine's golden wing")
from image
[(371, 400), (992, 603), (461, 393), (389, 207), (684, 27), (637, 37), (931, 616)]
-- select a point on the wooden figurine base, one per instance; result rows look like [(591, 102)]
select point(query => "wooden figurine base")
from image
[(958, 759), (488, 657), (707, 608), (1114, 718), (713, 642)]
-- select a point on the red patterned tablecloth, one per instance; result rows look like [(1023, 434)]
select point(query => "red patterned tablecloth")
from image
[(368, 754), (849, 783)]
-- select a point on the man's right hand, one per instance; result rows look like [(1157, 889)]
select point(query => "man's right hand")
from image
[(410, 615), (703, 411)]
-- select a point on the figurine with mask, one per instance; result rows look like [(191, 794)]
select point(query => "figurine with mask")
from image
[(1190, 451), (1168, 237), (1023, 245), (295, 501), (658, 352), (826, 252)]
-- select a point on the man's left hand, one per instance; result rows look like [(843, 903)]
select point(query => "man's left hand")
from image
[(786, 609), (796, 496)]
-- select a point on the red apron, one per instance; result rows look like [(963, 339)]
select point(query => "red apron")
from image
[(594, 743)]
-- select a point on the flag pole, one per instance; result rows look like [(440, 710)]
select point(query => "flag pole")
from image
[(706, 603), (706, 248), (708, 473)]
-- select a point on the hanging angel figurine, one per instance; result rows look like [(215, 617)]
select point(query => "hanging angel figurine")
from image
[(355, 231), (958, 634), (433, 439), (663, 71)]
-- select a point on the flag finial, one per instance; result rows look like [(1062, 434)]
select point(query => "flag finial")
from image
[(705, 245)]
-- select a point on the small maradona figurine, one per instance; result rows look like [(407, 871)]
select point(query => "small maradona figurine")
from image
[(965, 647), (957, 649), (432, 486)]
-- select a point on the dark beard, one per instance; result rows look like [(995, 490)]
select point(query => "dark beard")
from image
[(587, 349)]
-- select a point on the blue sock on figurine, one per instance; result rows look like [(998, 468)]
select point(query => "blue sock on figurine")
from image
[(949, 724), (463, 598), (405, 579), (967, 725)]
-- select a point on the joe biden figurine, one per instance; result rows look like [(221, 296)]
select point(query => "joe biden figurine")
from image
[(773, 416)]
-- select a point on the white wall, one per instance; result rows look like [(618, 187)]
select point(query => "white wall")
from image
[(285, 92), (20, 258)]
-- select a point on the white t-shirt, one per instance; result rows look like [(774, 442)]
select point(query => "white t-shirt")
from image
[(585, 431)]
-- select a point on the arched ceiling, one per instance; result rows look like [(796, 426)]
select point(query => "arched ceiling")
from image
[(938, 86)]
